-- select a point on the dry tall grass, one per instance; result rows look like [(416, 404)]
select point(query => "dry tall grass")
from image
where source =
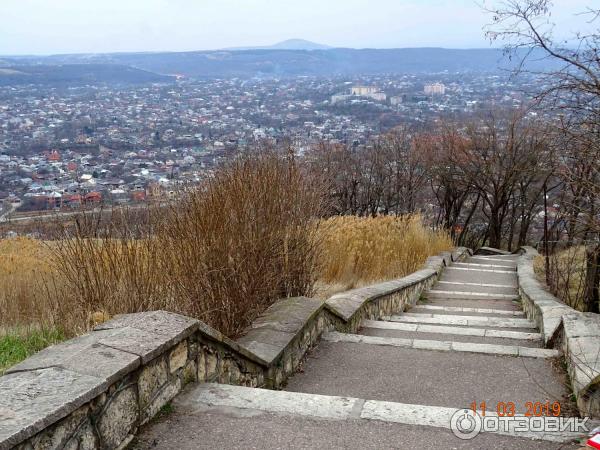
[(24, 268), (357, 250), (107, 268), (224, 277), (567, 275)]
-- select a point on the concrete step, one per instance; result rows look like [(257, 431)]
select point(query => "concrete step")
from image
[(478, 268), (444, 346), (451, 296), (498, 257), (438, 335), (499, 262), (490, 267), (503, 304), (463, 286), (464, 274), (479, 284), (478, 321), (418, 310), (470, 294), (442, 309), (451, 330), (509, 263), (441, 378), (234, 417)]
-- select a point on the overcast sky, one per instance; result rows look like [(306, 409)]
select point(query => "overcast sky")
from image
[(91, 26)]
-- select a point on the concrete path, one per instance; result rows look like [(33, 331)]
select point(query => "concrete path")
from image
[(401, 383)]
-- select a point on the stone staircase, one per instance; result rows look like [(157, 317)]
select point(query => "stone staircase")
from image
[(398, 383), (473, 308)]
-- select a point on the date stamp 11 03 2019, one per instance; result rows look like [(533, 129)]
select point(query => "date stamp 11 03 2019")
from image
[(509, 409), (541, 420)]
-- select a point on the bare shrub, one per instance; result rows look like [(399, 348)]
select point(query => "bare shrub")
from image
[(108, 265), (247, 237), (223, 253)]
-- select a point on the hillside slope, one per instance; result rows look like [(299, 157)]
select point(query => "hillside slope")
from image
[(338, 61), (74, 74)]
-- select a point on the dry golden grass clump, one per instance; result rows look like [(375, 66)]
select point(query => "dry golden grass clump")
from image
[(24, 267), (223, 255), (567, 274), (29, 308), (358, 249)]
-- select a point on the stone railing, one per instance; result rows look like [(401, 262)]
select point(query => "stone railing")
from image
[(94, 391), (490, 251), (539, 305), (576, 334)]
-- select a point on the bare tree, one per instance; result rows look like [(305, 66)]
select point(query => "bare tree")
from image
[(339, 166), (406, 169), (452, 192), (526, 28), (573, 91), (501, 155), (386, 176)]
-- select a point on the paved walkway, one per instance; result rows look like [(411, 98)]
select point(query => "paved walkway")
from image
[(398, 383)]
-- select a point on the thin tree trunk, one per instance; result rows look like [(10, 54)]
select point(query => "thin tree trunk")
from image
[(546, 255), (592, 279), (468, 220)]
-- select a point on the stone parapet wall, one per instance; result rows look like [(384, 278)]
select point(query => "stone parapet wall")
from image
[(349, 309), (539, 305), (283, 334), (96, 390), (576, 334)]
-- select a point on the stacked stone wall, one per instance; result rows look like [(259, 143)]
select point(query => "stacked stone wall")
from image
[(95, 391)]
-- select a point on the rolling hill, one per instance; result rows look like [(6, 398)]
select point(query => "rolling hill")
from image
[(145, 67), (77, 74)]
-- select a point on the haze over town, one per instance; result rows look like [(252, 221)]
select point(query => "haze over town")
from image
[(75, 26)]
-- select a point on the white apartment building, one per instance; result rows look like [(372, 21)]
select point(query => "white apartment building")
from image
[(435, 89)]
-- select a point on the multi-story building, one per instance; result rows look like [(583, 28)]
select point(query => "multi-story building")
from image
[(364, 91), (370, 92), (435, 89)]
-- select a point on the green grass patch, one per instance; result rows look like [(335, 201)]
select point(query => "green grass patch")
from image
[(423, 300), (166, 409), (15, 347), (163, 412)]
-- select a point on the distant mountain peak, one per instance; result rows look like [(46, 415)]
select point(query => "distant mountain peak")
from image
[(289, 44), (299, 44)]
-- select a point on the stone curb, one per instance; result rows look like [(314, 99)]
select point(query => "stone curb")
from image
[(448, 346), (214, 397)]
